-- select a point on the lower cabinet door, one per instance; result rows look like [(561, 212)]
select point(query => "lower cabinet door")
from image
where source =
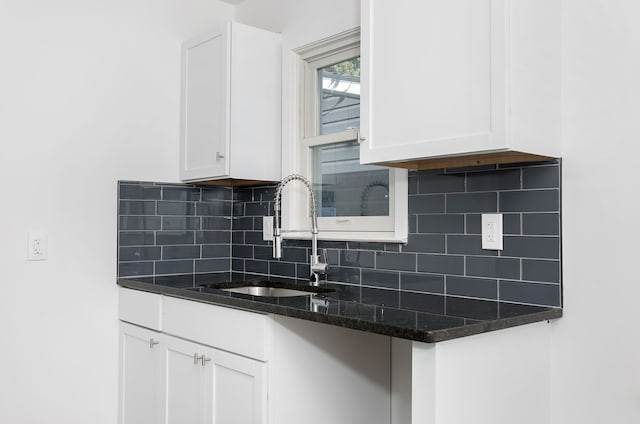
[(185, 400), (140, 375), (239, 392)]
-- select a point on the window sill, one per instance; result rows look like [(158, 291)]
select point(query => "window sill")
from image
[(373, 237)]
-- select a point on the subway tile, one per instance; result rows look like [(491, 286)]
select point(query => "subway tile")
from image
[(216, 250), (257, 209), (531, 247), (538, 270), (343, 275), (441, 223), (357, 258), (533, 293), (381, 297), (176, 208), (140, 222), (174, 237), (216, 193), (467, 245), (237, 265), (329, 244), (472, 202), (174, 267), (136, 238), (358, 245), (238, 209), (413, 224), (494, 180), (242, 223), (530, 201), (217, 208), (139, 192), (262, 252), (421, 282), (130, 269), (185, 280), (493, 267), (437, 182), (293, 254), (423, 302), (184, 194), (413, 183), (333, 255), (237, 237), (137, 207), (257, 267), (441, 264), (372, 277), (541, 177), (257, 223), (396, 261), (180, 222), (264, 194), (471, 287), (181, 252), (425, 243), (392, 247), (212, 265), (472, 308), (222, 223), (242, 194), (147, 253), (213, 237), (541, 224), (282, 269), (427, 203), (242, 251), (254, 237), (303, 271)]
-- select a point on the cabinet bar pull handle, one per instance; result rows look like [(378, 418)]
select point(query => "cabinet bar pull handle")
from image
[(152, 343), (219, 155), (205, 360)]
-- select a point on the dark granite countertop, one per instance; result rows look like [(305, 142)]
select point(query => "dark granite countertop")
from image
[(407, 315)]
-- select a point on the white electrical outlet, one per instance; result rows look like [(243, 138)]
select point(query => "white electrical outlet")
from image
[(37, 246), (267, 228), (492, 231)]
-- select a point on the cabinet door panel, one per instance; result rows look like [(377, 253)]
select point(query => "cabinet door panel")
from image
[(185, 383), (140, 375), (432, 78), (239, 392), (205, 91)]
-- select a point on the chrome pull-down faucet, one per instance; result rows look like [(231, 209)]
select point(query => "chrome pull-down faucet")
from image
[(317, 267)]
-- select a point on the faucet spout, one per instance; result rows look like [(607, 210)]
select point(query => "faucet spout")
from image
[(317, 266)]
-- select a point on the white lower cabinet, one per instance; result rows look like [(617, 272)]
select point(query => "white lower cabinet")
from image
[(205, 385), (140, 393)]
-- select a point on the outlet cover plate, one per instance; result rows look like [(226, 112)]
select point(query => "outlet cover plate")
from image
[(492, 231)]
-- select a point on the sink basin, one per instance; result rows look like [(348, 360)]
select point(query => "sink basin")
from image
[(266, 288)]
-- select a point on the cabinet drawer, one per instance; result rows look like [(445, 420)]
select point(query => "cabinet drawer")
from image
[(241, 332), (141, 308)]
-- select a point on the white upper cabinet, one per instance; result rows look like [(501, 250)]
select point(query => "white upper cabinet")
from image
[(231, 105), (476, 80)]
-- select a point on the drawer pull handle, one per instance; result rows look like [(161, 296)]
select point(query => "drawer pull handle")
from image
[(205, 360), (197, 358), (152, 343)]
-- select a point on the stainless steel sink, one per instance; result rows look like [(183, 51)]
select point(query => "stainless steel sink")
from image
[(268, 291), (267, 288)]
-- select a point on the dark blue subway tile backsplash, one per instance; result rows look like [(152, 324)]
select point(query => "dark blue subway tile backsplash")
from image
[(169, 229)]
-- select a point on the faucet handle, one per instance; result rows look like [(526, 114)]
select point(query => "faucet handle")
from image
[(325, 258)]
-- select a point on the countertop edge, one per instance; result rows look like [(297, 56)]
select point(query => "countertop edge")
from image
[(426, 336)]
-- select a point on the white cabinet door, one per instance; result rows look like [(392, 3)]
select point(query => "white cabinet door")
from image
[(205, 106), (185, 391), (140, 375), (458, 77), (239, 390), (231, 105)]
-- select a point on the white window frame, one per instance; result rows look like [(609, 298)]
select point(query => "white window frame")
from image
[(306, 61)]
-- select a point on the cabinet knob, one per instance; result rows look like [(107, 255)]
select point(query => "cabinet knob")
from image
[(152, 343), (219, 155), (197, 358), (205, 360)]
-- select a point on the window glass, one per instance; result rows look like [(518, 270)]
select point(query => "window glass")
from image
[(339, 96), (343, 187)]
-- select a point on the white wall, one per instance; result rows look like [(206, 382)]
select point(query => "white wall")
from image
[(89, 94), (596, 357)]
